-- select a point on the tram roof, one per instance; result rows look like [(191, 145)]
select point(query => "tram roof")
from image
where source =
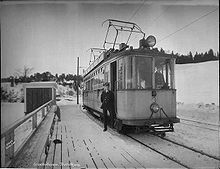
[(108, 55)]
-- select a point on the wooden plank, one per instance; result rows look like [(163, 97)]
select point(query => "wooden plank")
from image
[(58, 148), (103, 152), (79, 154), (50, 157), (110, 154), (72, 148), (100, 159), (65, 148), (47, 129), (89, 153)]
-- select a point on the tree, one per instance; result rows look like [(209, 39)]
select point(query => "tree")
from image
[(162, 51), (77, 80), (23, 73), (47, 76), (38, 77), (190, 58), (56, 76), (62, 77), (69, 77)]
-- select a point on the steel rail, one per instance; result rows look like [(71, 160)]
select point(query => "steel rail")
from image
[(170, 158), (187, 147)]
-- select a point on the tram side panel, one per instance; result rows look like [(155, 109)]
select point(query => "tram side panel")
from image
[(93, 100), (96, 100), (135, 104)]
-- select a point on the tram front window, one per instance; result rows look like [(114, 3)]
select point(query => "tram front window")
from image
[(142, 77), (135, 73), (162, 73)]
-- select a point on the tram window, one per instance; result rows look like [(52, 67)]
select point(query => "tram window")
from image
[(142, 73), (162, 73), (101, 77), (120, 74), (135, 73), (107, 73), (128, 72)]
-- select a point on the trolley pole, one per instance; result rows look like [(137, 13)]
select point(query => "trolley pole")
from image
[(77, 82)]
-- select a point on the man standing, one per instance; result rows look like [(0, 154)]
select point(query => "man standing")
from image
[(107, 99)]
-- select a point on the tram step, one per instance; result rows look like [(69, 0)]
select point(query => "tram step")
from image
[(163, 129)]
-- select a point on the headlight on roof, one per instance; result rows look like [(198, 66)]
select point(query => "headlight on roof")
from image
[(154, 107), (151, 41)]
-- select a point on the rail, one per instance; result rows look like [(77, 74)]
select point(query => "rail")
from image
[(15, 136)]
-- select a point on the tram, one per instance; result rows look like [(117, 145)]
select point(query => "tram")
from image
[(142, 80)]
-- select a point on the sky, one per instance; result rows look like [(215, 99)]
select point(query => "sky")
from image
[(50, 35)]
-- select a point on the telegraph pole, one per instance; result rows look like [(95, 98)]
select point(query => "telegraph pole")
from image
[(77, 82)]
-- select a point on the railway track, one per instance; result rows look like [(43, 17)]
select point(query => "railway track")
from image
[(204, 125), (159, 152), (190, 148), (176, 152), (183, 155)]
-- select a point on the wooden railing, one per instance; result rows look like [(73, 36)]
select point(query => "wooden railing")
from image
[(15, 136)]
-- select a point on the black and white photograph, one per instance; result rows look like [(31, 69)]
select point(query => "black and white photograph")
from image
[(110, 84)]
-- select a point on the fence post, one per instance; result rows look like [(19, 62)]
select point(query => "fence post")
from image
[(34, 121), (2, 152), (9, 146), (43, 112)]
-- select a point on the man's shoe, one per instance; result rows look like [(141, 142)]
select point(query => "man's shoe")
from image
[(105, 130)]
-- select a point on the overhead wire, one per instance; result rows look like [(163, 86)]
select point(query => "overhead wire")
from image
[(156, 18), (185, 26), (136, 11), (180, 29), (141, 5)]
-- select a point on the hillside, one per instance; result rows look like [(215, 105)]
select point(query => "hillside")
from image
[(198, 83)]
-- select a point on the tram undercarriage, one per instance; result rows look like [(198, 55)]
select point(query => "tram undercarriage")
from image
[(157, 125)]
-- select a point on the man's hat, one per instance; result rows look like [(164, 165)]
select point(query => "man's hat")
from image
[(106, 84)]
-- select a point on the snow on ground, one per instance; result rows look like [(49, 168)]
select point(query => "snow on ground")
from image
[(202, 139), (199, 112), (67, 100), (10, 112), (196, 83)]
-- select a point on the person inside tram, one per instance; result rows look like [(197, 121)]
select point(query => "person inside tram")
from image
[(143, 86), (107, 99), (159, 79)]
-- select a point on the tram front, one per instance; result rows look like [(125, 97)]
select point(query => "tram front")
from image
[(146, 94)]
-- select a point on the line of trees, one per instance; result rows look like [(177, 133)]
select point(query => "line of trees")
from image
[(62, 79), (189, 58), (197, 58)]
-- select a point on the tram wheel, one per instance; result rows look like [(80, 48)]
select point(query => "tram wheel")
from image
[(119, 126), (163, 134)]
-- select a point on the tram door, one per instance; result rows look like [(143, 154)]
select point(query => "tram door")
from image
[(113, 76), (113, 79)]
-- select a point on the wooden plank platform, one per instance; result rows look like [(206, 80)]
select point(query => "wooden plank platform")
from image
[(85, 145)]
